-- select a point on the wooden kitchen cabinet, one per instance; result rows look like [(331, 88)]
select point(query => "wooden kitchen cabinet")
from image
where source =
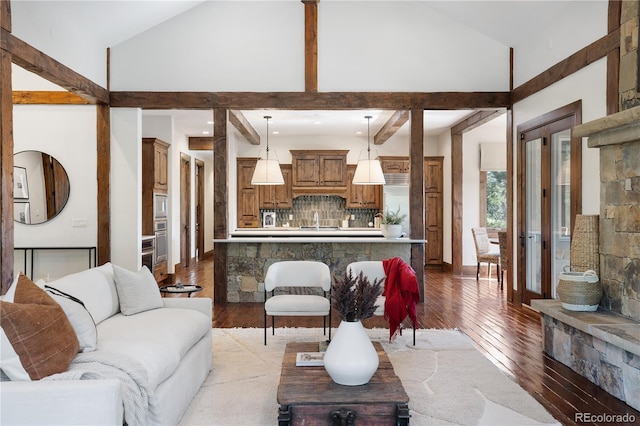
[(278, 196), (393, 164), (155, 162), (319, 168), (248, 195), (362, 196)]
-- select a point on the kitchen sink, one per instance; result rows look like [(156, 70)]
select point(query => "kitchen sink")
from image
[(320, 228)]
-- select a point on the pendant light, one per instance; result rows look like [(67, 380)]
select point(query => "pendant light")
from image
[(267, 171), (368, 171)]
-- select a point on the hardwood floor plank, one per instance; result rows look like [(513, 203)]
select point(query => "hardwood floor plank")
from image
[(508, 335)]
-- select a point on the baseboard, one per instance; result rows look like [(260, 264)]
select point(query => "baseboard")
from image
[(207, 254)]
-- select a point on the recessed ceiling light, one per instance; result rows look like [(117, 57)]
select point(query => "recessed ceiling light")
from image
[(205, 132), (209, 122), (316, 122), (358, 132), (276, 133)]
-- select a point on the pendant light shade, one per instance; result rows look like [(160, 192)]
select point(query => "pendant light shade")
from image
[(267, 171), (368, 171)]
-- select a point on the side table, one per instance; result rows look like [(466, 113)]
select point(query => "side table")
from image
[(180, 289)]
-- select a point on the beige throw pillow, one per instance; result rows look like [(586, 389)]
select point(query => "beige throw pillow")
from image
[(137, 291)]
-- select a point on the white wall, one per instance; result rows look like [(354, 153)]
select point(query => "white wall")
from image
[(69, 134)]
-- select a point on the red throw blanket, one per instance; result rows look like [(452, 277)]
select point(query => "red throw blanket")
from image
[(401, 293)]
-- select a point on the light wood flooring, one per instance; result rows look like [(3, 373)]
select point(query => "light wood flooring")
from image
[(508, 335)]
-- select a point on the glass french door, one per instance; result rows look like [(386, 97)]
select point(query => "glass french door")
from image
[(548, 205)]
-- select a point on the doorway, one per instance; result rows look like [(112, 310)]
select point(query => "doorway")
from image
[(185, 210), (199, 198), (549, 198)]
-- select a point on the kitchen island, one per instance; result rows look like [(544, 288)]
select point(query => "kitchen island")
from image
[(242, 259)]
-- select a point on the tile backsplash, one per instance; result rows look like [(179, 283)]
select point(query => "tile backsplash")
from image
[(331, 212)]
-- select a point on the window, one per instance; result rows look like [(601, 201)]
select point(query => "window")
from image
[(493, 199)]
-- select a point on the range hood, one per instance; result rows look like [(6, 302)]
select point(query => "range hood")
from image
[(396, 179)]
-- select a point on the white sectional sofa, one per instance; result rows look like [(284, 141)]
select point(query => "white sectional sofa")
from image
[(172, 343)]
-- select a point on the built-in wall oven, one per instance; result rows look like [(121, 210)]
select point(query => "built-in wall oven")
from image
[(160, 212), (148, 251)]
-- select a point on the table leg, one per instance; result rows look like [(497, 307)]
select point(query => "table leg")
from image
[(402, 415), (284, 415)]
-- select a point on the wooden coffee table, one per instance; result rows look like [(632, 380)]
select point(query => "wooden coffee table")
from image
[(308, 396)]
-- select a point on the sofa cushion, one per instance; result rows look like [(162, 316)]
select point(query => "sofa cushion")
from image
[(158, 339), (137, 291), (37, 339), (96, 289)]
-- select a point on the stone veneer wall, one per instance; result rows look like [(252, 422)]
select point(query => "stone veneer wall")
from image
[(614, 369), (247, 263)]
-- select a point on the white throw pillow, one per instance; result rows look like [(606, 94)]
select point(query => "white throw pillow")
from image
[(80, 319), (137, 292)]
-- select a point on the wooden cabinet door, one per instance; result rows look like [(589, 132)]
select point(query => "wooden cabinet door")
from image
[(305, 170), (248, 196), (333, 170), (161, 163), (433, 175), (391, 164)]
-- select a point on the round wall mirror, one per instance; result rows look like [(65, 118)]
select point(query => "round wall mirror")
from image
[(40, 187)]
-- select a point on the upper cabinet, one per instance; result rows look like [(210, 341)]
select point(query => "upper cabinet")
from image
[(362, 196), (318, 168), (278, 196), (155, 154), (392, 164)]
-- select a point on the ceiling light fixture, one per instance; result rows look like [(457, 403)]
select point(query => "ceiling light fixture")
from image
[(267, 171), (368, 171)]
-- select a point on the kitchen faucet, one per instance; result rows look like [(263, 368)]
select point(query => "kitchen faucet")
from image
[(316, 221)]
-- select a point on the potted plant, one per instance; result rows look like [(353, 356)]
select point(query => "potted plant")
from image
[(391, 224), (350, 358)]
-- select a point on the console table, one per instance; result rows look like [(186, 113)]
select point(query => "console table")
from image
[(92, 252)]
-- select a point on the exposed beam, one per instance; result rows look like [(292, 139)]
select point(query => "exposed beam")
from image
[(310, 100), (103, 173), (6, 174), (389, 128), (5, 15), (39, 63), (311, 45), (580, 59), (200, 143), (221, 203), (475, 120), (48, 98), (416, 193), (245, 128)]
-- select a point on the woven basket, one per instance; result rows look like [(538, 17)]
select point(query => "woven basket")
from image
[(579, 291), (585, 244)]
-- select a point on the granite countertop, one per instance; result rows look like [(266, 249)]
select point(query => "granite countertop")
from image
[(297, 235)]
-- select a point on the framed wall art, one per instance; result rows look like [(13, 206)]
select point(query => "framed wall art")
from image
[(269, 219), (21, 212), (20, 184)]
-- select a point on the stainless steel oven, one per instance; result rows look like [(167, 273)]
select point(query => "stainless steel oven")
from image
[(148, 251), (160, 229)]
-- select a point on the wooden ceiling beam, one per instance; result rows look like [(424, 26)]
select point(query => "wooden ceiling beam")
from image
[(311, 45), (311, 100), (39, 63), (397, 120), (47, 98), (475, 120), (241, 123), (200, 143)]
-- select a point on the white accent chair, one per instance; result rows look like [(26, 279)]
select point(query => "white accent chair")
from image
[(374, 270), (297, 275)]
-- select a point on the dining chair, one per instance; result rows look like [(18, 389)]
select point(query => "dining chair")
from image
[(292, 278), (374, 270), (504, 258), (484, 253)]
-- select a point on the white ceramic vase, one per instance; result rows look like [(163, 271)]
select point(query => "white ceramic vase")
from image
[(391, 231), (350, 358)]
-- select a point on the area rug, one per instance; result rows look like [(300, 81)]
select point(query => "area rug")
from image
[(449, 382)]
